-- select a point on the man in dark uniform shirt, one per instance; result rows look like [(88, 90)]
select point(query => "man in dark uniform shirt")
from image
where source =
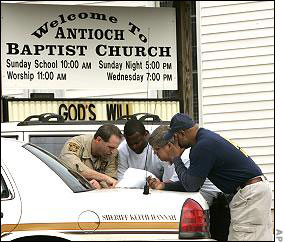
[(230, 169)]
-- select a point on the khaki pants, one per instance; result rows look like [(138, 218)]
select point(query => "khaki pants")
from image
[(251, 213)]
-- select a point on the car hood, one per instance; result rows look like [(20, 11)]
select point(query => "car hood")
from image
[(132, 197)]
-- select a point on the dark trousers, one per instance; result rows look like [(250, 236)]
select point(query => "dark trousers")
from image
[(220, 218)]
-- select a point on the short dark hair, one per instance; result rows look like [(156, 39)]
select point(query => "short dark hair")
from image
[(132, 126), (107, 130)]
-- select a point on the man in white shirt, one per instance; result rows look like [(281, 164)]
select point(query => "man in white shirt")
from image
[(135, 152)]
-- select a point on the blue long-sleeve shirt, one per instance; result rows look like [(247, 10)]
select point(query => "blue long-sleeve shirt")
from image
[(224, 163)]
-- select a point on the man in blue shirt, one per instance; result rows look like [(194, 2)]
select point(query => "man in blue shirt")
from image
[(230, 169)]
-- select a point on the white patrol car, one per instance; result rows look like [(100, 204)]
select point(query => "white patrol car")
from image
[(42, 199)]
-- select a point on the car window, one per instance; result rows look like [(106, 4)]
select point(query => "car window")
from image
[(72, 179), (53, 144), (4, 189)]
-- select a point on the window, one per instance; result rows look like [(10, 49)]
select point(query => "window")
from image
[(53, 144), (73, 180), (4, 189)]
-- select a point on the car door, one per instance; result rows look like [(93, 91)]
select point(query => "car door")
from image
[(10, 203)]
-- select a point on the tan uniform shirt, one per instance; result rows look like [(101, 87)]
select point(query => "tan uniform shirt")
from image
[(76, 154)]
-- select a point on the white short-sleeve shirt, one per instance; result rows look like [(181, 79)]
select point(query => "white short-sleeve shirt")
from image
[(147, 160)]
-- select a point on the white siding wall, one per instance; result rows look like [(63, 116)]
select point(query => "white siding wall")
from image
[(236, 75)]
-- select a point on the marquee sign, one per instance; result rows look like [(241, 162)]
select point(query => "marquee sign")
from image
[(88, 109), (88, 47)]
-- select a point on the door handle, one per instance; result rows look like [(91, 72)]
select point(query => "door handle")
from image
[(2, 215)]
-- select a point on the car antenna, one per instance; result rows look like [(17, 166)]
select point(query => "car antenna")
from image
[(146, 186)]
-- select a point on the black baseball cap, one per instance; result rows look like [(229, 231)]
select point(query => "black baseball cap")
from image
[(179, 121)]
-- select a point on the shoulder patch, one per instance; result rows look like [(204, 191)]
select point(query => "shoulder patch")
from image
[(73, 147)]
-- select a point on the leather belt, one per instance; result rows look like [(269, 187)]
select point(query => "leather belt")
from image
[(252, 181)]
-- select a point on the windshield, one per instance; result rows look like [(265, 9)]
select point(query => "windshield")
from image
[(72, 179)]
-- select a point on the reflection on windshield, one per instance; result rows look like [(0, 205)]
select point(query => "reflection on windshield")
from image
[(80, 178), (72, 179)]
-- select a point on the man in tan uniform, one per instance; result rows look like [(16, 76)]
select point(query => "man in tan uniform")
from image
[(94, 156)]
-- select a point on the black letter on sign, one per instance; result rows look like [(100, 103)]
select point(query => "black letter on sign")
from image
[(90, 109), (81, 107), (65, 113), (111, 111), (75, 112), (42, 30)]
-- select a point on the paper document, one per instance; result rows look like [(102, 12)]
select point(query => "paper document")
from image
[(134, 178)]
